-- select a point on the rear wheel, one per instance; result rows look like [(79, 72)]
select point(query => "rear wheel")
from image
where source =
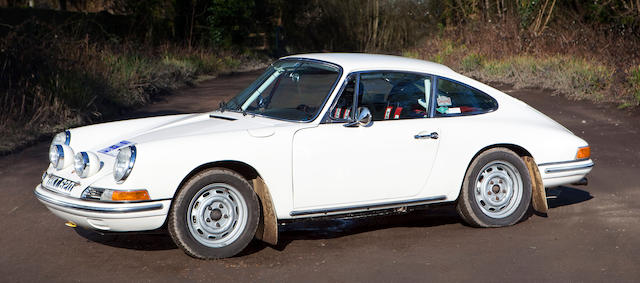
[(214, 215), (496, 191)]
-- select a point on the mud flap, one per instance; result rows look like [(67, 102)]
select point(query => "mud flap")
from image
[(268, 226), (538, 194)]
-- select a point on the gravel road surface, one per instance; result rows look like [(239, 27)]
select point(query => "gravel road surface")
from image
[(592, 233)]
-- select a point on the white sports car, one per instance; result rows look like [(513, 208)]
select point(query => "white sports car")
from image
[(316, 135)]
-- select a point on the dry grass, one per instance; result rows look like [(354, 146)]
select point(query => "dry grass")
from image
[(572, 62), (50, 81)]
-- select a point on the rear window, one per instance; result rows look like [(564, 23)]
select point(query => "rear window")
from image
[(456, 99)]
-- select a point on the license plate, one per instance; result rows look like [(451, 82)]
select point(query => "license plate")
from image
[(58, 184)]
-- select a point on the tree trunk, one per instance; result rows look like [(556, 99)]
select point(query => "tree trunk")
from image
[(487, 10), (374, 23)]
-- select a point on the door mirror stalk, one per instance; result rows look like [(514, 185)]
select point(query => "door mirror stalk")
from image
[(364, 119)]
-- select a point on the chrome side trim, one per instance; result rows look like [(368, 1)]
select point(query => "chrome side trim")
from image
[(568, 168), (367, 206), (563, 162), (65, 204)]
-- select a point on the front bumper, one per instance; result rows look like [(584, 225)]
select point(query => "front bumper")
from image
[(118, 217), (564, 173)]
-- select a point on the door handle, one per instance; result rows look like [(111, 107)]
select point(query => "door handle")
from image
[(433, 135)]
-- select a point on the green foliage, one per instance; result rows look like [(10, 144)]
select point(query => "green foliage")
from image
[(410, 54), (358, 25), (231, 21), (621, 13), (527, 10), (447, 47), (625, 105), (633, 79), (153, 19), (53, 81), (473, 61), (576, 77)]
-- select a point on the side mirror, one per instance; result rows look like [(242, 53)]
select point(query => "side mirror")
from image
[(364, 118)]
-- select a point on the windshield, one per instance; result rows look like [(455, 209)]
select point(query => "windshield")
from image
[(289, 89)]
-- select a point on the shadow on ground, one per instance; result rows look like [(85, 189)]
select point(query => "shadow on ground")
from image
[(326, 228), (562, 196), (144, 241)]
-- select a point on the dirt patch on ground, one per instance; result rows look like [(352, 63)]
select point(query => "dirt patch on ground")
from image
[(590, 234)]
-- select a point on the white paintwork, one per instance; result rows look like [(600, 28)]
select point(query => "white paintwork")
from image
[(314, 165), (117, 222), (336, 166)]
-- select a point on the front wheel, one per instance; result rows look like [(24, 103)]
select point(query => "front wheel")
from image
[(496, 191), (214, 215)]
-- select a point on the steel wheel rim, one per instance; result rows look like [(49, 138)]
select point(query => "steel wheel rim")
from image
[(217, 215), (498, 189)]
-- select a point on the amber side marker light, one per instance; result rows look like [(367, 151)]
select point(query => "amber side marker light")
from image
[(584, 152), (130, 195)]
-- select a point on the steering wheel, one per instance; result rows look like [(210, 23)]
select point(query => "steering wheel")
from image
[(304, 108)]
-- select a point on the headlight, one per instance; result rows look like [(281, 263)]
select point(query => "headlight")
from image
[(62, 138), (124, 163), (101, 194), (60, 155), (86, 164)]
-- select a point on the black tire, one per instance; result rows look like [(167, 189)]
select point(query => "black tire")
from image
[(486, 180), (217, 195)]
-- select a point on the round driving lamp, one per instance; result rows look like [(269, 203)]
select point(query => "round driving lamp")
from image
[(60, 156), (62, 138), (86, 164), (124, 163)]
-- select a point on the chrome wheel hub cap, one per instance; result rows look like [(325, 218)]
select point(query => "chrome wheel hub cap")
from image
[(498, 189), (217, 215)]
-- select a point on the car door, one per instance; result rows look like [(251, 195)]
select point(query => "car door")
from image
[(335, 165)]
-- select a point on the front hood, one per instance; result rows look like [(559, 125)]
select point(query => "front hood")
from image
[(98, 137), (205, 124), (105, 139)]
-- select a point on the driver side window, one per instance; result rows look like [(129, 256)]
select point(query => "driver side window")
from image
[(393, 95)]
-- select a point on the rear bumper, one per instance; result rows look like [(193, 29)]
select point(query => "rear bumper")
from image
[(564, 173), (118, 217)]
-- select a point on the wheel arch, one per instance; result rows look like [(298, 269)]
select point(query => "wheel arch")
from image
[(519, 150), (538, 193), (268, 224)]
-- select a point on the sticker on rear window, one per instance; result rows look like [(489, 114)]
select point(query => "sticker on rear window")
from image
[(444, 100), (454, 110)]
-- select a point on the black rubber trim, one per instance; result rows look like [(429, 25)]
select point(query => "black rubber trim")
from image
[(367, 206), (222, 117)]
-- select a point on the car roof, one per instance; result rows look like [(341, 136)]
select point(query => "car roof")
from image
[(351, 62)]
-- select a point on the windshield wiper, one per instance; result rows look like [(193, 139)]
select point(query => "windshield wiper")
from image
[(223, 106)]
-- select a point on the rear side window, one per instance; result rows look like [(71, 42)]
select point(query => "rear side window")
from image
[(456, 99)]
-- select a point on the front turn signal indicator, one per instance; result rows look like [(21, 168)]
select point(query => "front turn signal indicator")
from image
[(583, 152), (130, 195)]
